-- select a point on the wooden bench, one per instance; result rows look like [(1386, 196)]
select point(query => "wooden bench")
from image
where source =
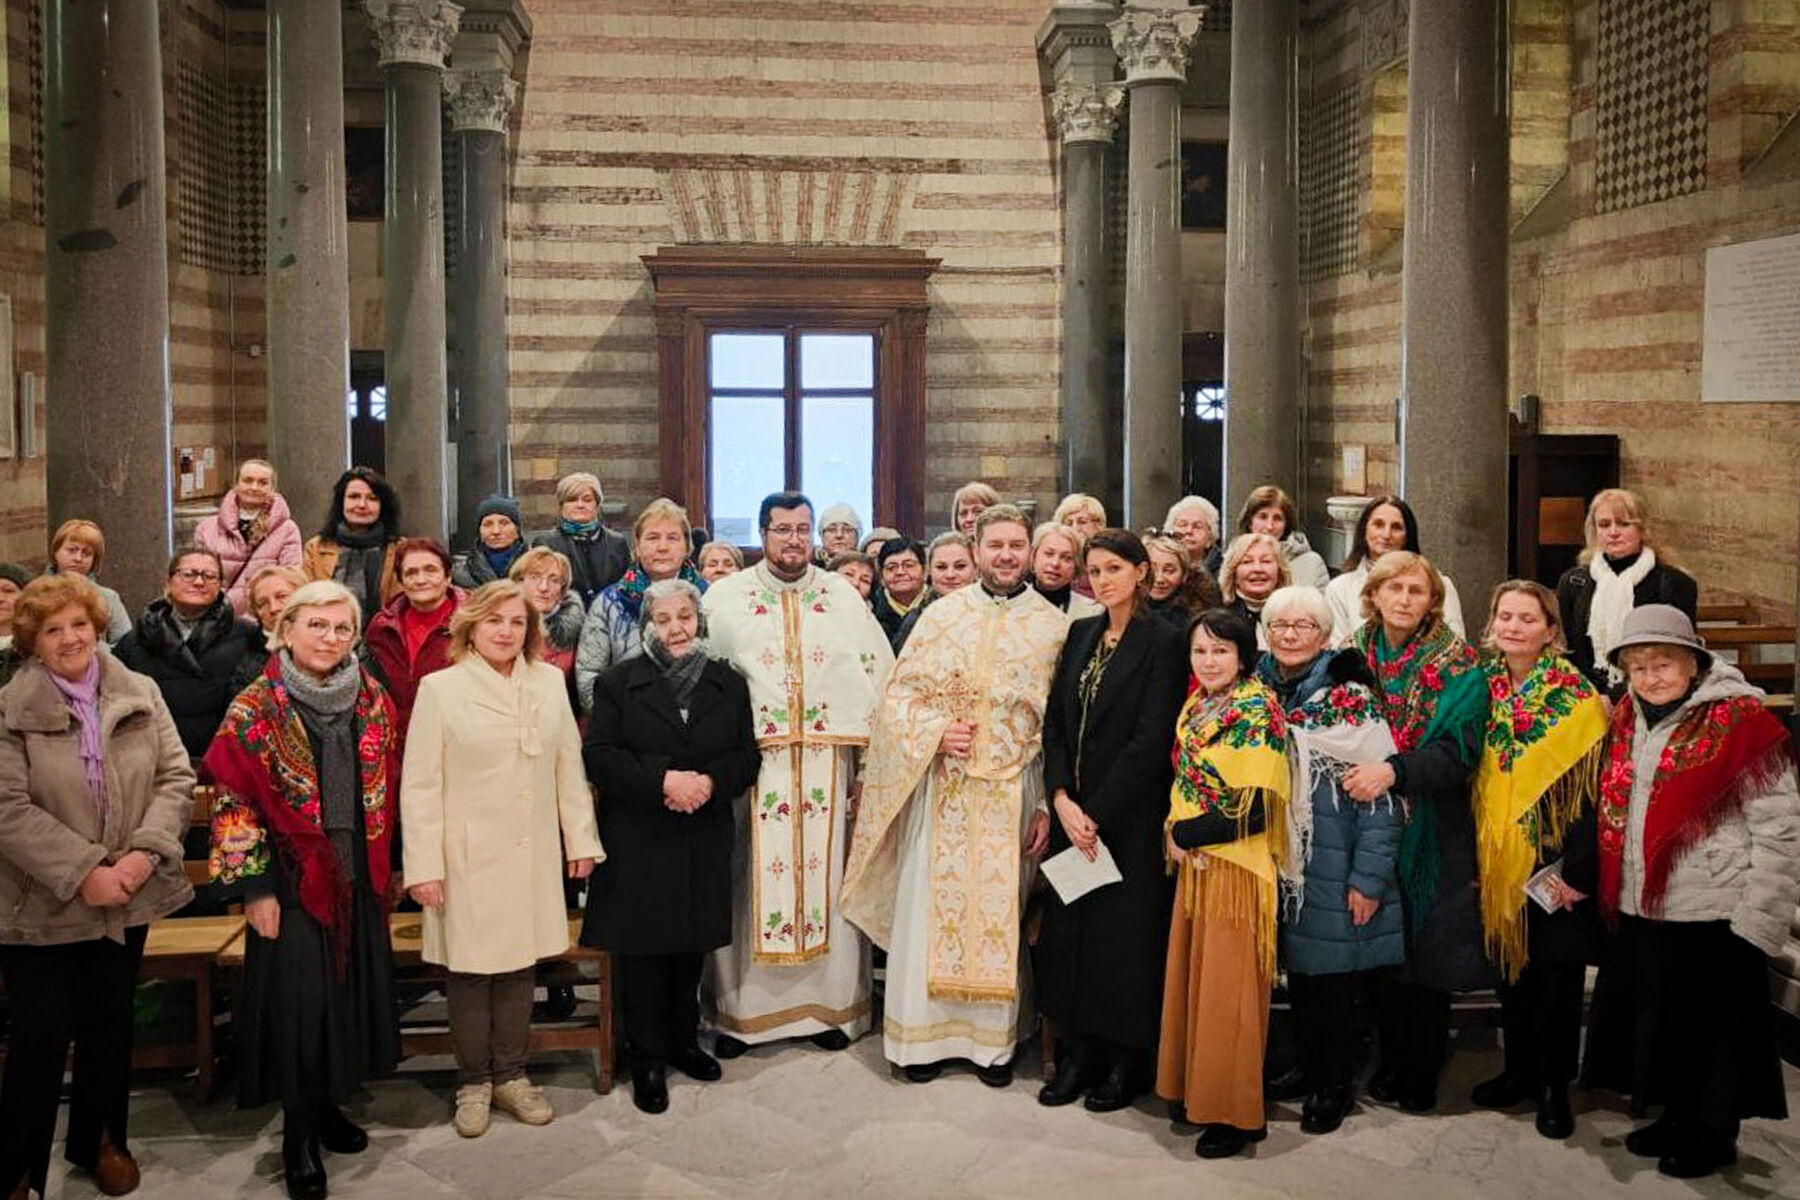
[(594, 1034), (188, 948)]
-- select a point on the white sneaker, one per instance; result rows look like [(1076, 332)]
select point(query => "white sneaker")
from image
[(472, 1100), (524, 1100)]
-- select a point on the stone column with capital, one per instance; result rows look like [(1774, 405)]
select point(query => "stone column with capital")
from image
[(413, 37), (1152, 43), (308, 255), (1075, 45), (1453, 437), (1087, 115), (480, 101), (1262, 253), (108, 451)]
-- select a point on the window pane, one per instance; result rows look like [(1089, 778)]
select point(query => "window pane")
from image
[(747, 463), (748, 360), (378, 403), (837, 453), (837, 360)]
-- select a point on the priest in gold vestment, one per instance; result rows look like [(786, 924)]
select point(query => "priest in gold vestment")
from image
[(953, 814), (815, 659)]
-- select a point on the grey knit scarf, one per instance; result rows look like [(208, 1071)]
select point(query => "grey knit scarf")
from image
[(327, 708)]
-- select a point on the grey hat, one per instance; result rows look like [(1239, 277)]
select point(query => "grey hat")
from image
[(16, 573), (1660, 625), (841, 514)]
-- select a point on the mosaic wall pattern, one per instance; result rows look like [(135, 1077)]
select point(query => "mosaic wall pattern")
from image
[(1650, 118), (453, 202), (203, 205), (249, 171), (1330, 149), (34, 66)]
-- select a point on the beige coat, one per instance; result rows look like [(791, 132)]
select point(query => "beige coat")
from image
[(493, 799), (51, 833), (319, 556)]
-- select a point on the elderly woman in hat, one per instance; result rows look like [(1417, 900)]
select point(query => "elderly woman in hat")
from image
[(1698, 870), (499, 542)]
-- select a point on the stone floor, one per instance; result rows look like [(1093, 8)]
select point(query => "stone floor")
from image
[(800, 1122)]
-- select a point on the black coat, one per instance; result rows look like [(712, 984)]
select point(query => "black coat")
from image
[(1445, 949), (665, 887), (1575, 598), (199, 677), (1100, 960), (595, 563)]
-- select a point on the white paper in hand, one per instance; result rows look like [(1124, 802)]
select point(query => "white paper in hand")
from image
[(1073, 876), (1540, 886)]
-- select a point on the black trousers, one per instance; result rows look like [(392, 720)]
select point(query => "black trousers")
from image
[(1540, 1017), (1327, 1025), (1413, 1024), (80, 992), (660, 995)]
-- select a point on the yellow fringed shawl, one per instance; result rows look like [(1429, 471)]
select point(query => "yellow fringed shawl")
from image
[(1540, 769), (1230, 755)]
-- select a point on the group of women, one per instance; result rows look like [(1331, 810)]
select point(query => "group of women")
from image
[(1293, 776), (1391, 815)]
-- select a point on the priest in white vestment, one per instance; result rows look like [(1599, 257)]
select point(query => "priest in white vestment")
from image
[(953, 814), (816, 660)]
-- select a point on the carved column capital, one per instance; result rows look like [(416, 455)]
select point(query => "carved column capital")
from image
[(1153, 43), (415, 32), (1087, 112), (480, 100)]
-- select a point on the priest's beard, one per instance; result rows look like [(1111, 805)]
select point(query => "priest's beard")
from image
[(1002, 583)]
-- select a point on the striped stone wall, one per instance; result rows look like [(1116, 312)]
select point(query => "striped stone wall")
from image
[(22, 271), (914, 123)]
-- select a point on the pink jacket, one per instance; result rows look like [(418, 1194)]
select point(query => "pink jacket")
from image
[(280, 547)]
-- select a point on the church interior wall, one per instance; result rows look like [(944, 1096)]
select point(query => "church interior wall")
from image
[(22, 269), (911, 123), (1607, 294)]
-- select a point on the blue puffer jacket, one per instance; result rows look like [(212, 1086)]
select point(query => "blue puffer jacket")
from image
[(1354, 846)]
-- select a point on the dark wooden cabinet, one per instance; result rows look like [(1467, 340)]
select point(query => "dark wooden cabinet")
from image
[(1551, 478)]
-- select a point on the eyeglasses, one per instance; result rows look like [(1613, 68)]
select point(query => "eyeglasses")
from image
[(1300, 628), (543, 578), (190, 575), (785, 532), (320, 628)]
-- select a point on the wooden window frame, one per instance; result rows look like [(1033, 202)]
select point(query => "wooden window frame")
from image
[(701, 290)]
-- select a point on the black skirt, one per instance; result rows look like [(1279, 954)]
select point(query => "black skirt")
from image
[(307, 1035), (1681, 1017), (1099, 961)]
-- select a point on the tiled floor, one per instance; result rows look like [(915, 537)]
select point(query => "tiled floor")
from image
[(799, 1122)]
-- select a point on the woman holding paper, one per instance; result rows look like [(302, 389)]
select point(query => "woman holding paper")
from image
[(1341, 925), (1118, 687), (1539, 773), (1227, 814)]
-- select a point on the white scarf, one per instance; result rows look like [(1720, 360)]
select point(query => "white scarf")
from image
[(1614, 597)]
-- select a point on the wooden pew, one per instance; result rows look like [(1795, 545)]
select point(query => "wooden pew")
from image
[(594, 1034)]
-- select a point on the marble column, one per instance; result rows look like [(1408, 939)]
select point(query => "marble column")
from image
[(479, 104), (108, 449), (1152, 43), (1453, 428), (308, 256), (414, 37), (1262, 254), (1087, 115)]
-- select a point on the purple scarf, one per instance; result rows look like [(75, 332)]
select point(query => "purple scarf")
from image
[(83, 698)]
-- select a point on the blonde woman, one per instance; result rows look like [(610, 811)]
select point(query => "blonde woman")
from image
[(545, 576), (77, 548), (1056, 554), (267, 588), (1270, 510), (971, 500), (1179, 587), (597, 555), (1252, 571), (613, 633), (493, 802), (252, 529), (1620, 570)]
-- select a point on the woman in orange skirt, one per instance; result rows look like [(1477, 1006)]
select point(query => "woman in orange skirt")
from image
[(1225, 824)]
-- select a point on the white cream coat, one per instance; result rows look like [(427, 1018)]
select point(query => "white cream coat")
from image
[(493, 800)]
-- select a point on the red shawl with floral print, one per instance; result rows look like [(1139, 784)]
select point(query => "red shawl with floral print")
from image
[(1719, 757), (268, 783)]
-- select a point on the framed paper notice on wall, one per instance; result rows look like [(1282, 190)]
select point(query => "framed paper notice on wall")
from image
[(1752, 347)]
